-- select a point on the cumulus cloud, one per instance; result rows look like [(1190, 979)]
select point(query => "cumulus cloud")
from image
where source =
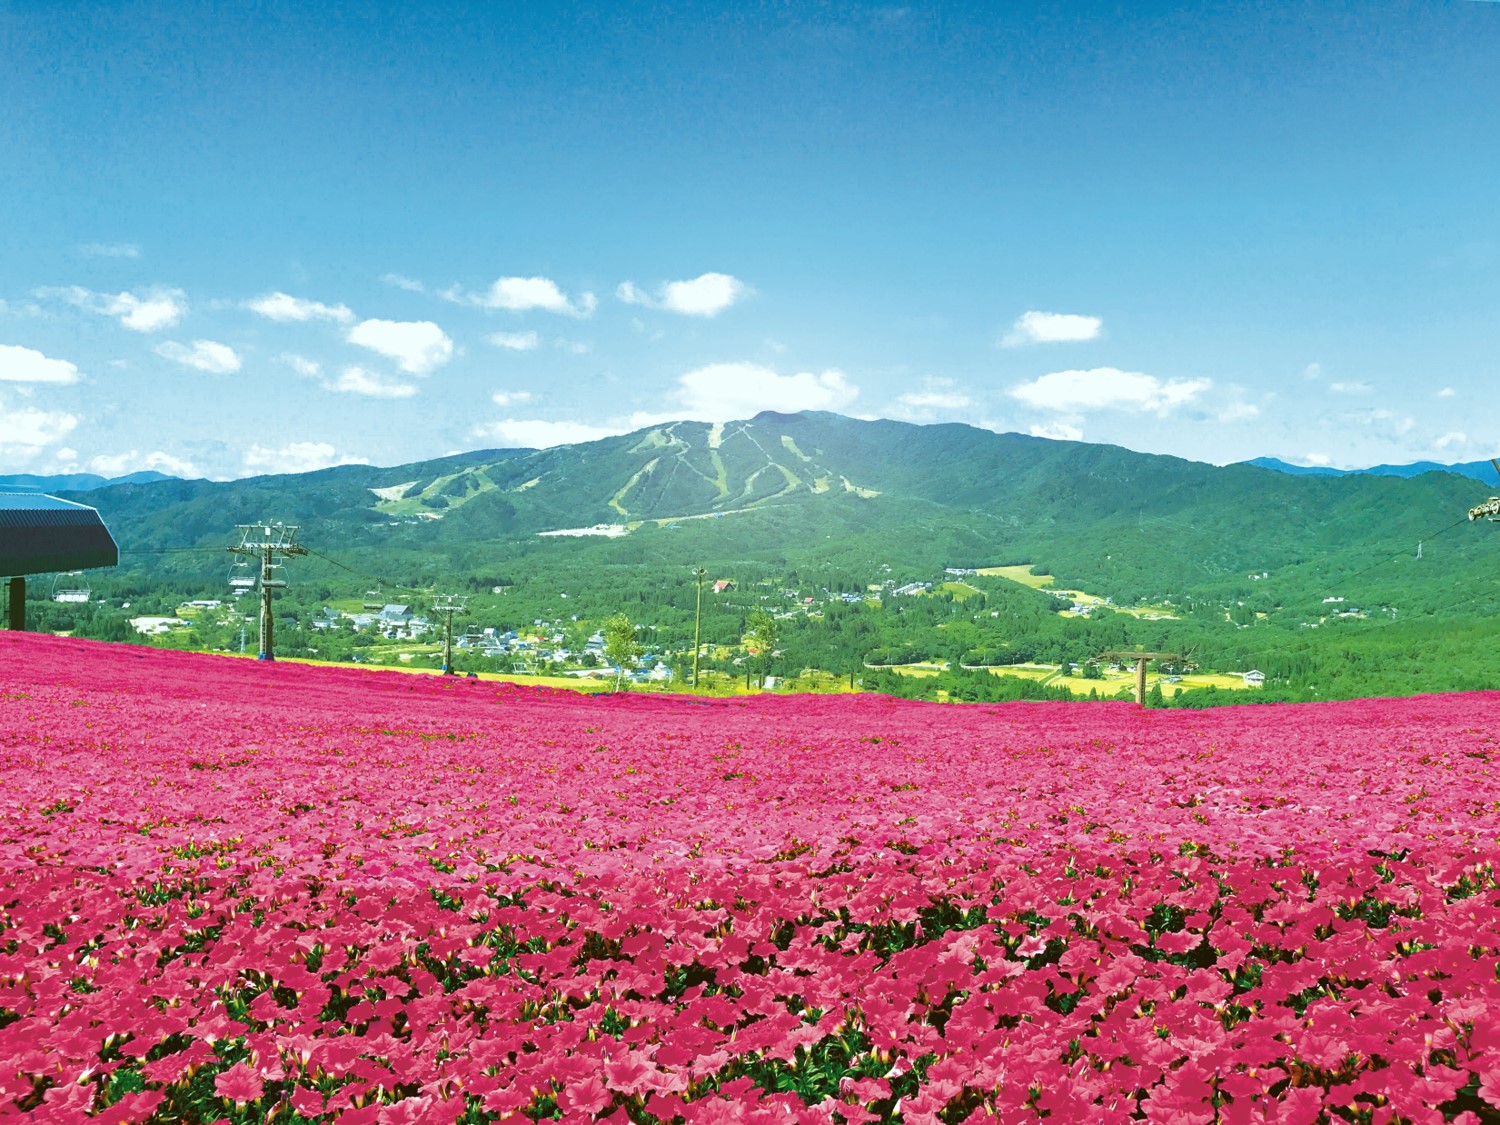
[(1238, 411), (1051, 328), (25, 432), (936, 400), (303, 366), (938, 396), (296, 457), (204, 355), (706, 295), (1350, 388), (284, 307), (400, 282), (1058, 431), (149, 311), (1451, 439), (418, 346), (27, 365), (721, 392), (110, 250), (1384, 420), (1446, 392), (119, 464), (515, 341), (517, 433), (360, 381), (1312, 371), (523, 294), (1108, 388), (510, 398)]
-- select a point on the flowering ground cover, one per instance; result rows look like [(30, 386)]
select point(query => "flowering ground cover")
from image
[(244, 892)]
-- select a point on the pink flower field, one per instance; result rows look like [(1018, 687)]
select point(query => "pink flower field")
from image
[(250, 892)]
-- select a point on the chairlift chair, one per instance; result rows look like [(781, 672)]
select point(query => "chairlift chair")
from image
[(76, 592), (374, 599), (1490, 509), (241, 581)]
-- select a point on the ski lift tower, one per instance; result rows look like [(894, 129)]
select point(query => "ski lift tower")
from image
[(268, 542), (1141, 659), (448, 605)]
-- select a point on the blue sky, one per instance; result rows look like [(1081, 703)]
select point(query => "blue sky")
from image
[(244, 239)]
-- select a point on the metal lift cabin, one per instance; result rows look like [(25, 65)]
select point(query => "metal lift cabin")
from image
[(43, 535)]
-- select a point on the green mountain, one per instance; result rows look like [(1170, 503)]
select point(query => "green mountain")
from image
[(1332, 585), (820, 487)]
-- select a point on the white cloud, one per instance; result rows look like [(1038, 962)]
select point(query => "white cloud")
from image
[(119, 464), (510, 398), (284, 307), (1058, 431), (204, 355), (706, 295), (515, 341), (573, 347), (26, 365), (514, 433), (722, 392), (1051, 328), (1452, 438), (937, 396), (1108, 388), (1446, 392), (409, 284), (417, 346), (1313, 371), (303, 366), (1239, 411), (1350, 388), (936, 400), (1383, 419), (523, 294), (1317, 460), (24, 432), (297, 457), (361, 381), (110, 250), (156, 309)]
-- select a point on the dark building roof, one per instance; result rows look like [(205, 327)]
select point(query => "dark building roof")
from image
[(39, 534)]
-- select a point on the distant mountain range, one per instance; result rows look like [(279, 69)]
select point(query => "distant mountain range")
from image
[(1477, 470), (73, 482), (816, 489)]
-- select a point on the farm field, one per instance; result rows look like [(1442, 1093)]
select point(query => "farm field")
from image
[(245, 892), (1023, 575)]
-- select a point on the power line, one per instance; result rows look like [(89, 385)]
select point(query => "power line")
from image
[(1402, 554)]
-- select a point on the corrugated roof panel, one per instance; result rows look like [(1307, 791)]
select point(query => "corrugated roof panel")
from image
[(40, 534)]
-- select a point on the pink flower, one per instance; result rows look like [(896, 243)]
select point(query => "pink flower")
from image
[(239, 1084), (1031, 946)]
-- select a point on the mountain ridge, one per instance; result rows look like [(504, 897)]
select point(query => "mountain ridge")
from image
[(821, 487)]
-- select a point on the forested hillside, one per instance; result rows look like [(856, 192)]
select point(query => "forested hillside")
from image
[(1317, 581)]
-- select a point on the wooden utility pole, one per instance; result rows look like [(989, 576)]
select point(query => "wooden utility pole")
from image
[(1141, 659), (699, 574)]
